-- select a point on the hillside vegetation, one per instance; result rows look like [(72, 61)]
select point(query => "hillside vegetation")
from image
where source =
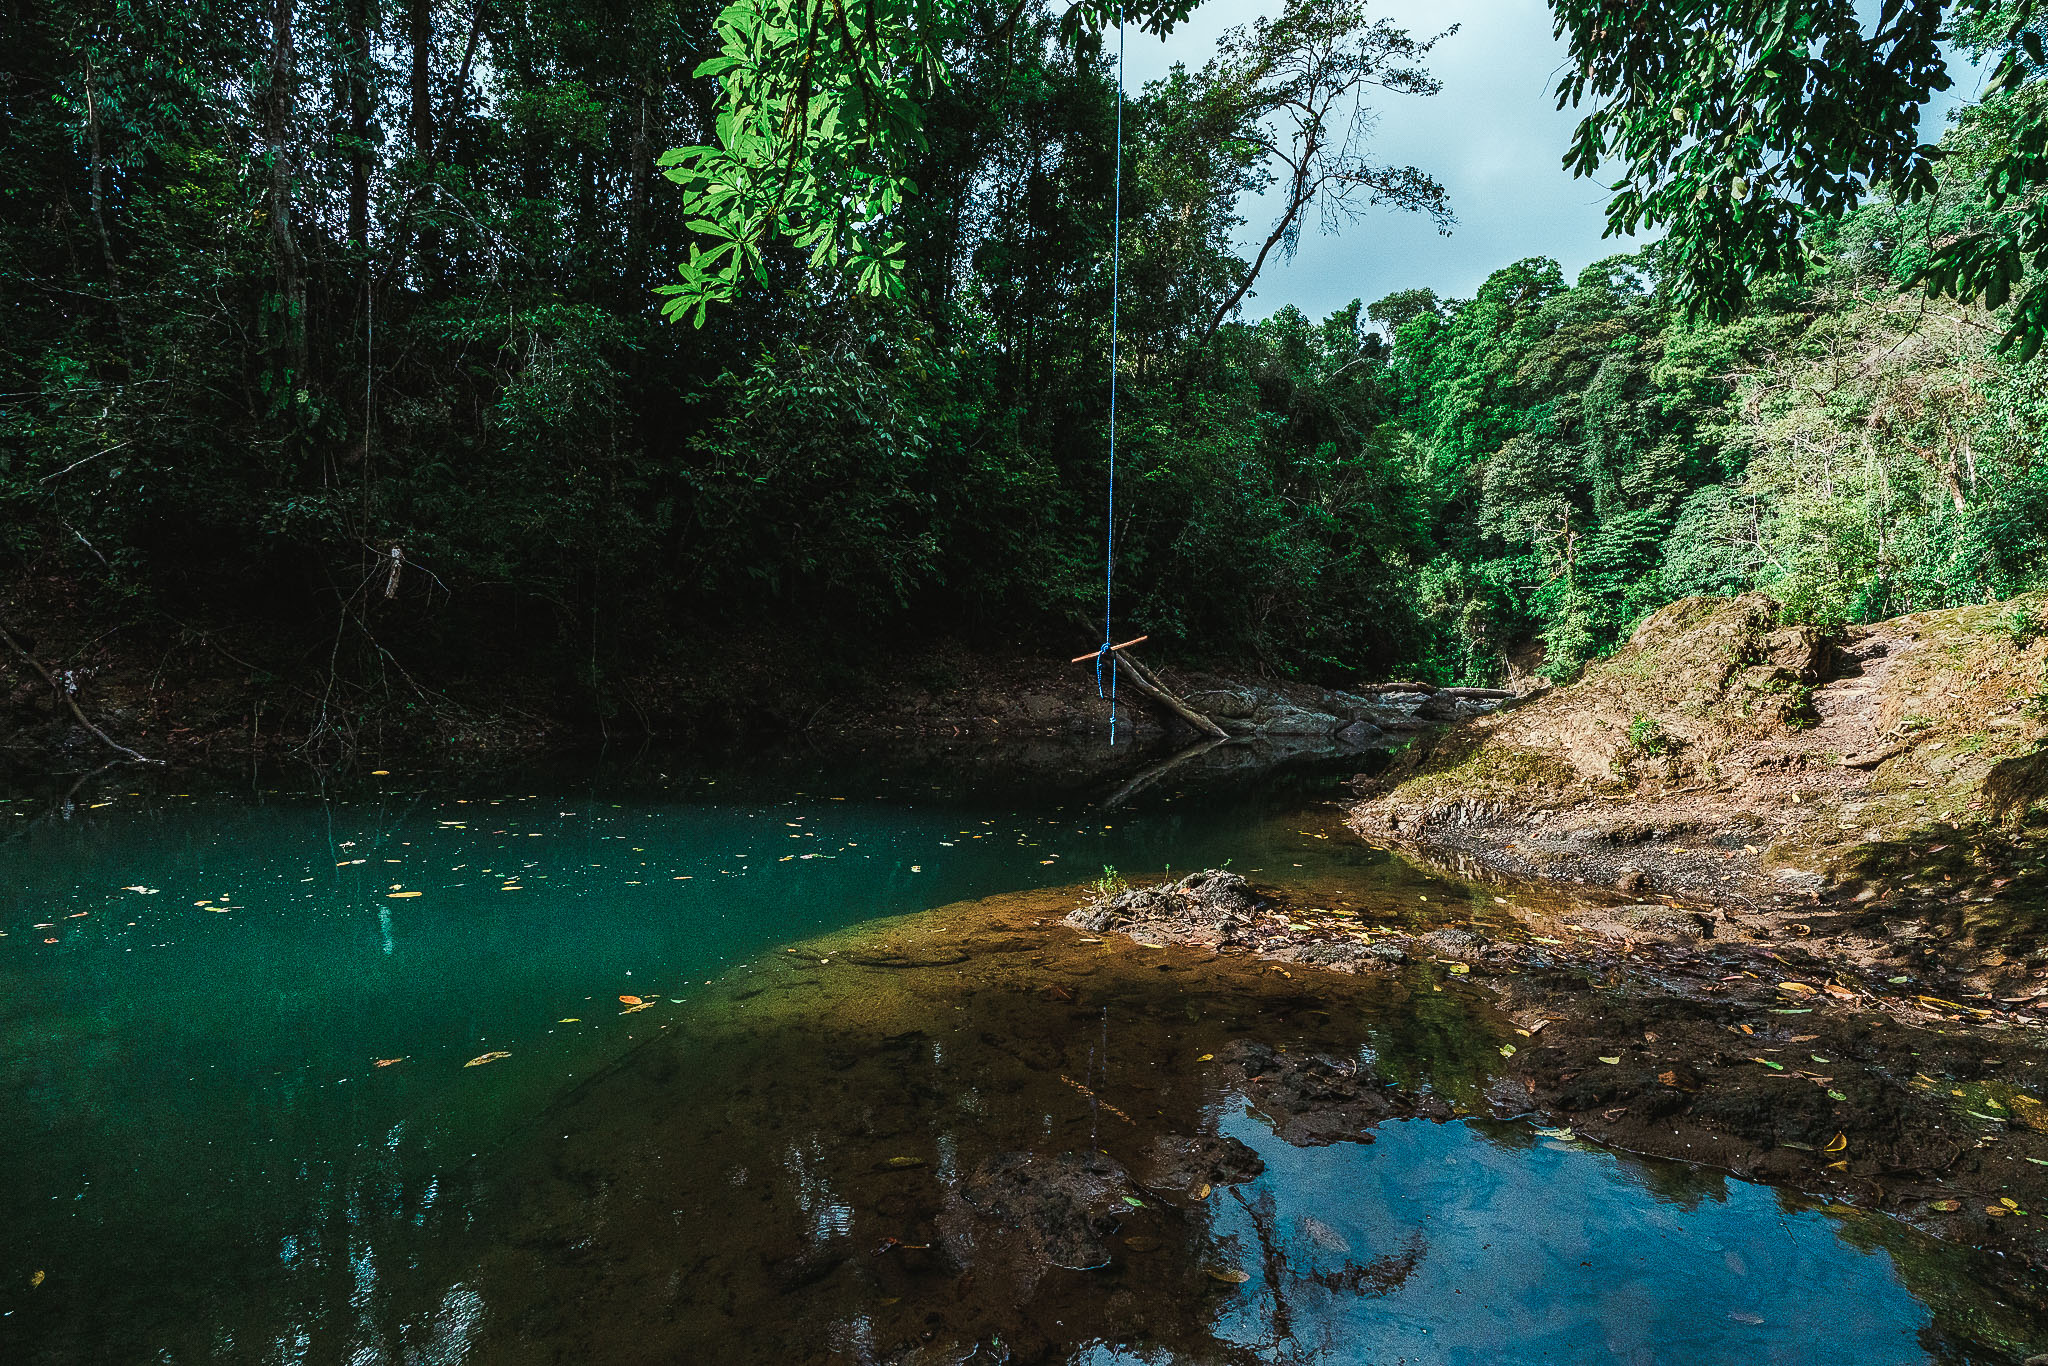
[(335, 350)]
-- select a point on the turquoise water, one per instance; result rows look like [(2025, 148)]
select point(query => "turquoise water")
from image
[(205, 1161)]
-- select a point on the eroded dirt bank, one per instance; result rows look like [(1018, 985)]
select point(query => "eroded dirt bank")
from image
[(1875, 795)]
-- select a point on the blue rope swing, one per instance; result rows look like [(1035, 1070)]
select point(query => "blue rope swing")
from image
[(1116, 258)]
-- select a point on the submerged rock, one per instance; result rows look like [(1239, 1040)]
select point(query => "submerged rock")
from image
[(1312, 1100), (1066, 1206), (1179, 1163)]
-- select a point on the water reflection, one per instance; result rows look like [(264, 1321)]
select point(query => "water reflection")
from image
[(1043, 1103)]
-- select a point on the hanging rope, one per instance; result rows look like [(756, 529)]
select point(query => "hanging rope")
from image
[(1116, 259)]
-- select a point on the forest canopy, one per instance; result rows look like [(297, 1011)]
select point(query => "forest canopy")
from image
[(338, 321)]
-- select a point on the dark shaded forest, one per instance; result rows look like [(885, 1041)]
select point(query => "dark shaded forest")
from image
[(333, 335)]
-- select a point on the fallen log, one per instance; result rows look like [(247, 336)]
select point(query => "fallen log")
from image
[(1143, 679)]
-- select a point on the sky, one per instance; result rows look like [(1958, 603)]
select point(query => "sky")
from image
[(1494, 138)]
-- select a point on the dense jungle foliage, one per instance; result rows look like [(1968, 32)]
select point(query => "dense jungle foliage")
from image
[(337, 320)]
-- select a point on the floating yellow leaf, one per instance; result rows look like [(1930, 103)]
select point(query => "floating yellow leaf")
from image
[(380, 773), (1997, 1211), (572, 1019), (1205, 1057), (1613, 1061), (387, 1062), (1229, 1275), (901, 1163), (399, 896), (1945, 1206), (629, 1000), (35, 1279), (1837, 1143), (1795, 987), (1202, 1191), (1459, 969), (480, 1059)]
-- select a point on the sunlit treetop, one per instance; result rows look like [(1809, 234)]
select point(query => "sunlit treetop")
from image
[(1736, 124), (819, 114)]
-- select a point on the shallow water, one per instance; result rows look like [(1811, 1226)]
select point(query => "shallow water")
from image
[(205, 1162)]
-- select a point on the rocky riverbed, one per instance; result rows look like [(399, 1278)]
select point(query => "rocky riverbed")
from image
[(1667, 1031)]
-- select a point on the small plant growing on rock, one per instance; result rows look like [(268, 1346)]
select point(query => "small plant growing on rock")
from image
[(1647, 738), (1110, 885), (2021, 627)]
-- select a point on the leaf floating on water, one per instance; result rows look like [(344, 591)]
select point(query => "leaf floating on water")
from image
[(35, 1278), (1206, 1057), (399, 896), (1997, 1211), (1555, 1133), (1774, 1066), (1837, 1143), (1741, 1317), (571, 1019), (629, 1000), (1613, 1061), (902, 1163), (1229, 1275), (1134, 1202), (1507, 1050), (1945, 1206), (1836, 1095), (480, 1059), (1202, 1191), (1796, 987), (387, 1062), (1459, 969), (146, 891)]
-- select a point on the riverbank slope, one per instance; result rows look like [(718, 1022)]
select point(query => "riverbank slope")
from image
[(1878, 789)]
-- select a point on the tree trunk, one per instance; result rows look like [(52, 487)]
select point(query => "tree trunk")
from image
[(357, 17), (419, 15), (420, 33), (640, 185), (97, 148), (279, 100)]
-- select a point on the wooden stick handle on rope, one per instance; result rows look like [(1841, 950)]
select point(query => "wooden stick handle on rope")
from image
[(1078, 659)]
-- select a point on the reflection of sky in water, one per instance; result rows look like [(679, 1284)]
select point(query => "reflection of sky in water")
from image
[(1541, 1252)]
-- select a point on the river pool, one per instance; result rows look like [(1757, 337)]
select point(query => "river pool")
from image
[(735, 1067)]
